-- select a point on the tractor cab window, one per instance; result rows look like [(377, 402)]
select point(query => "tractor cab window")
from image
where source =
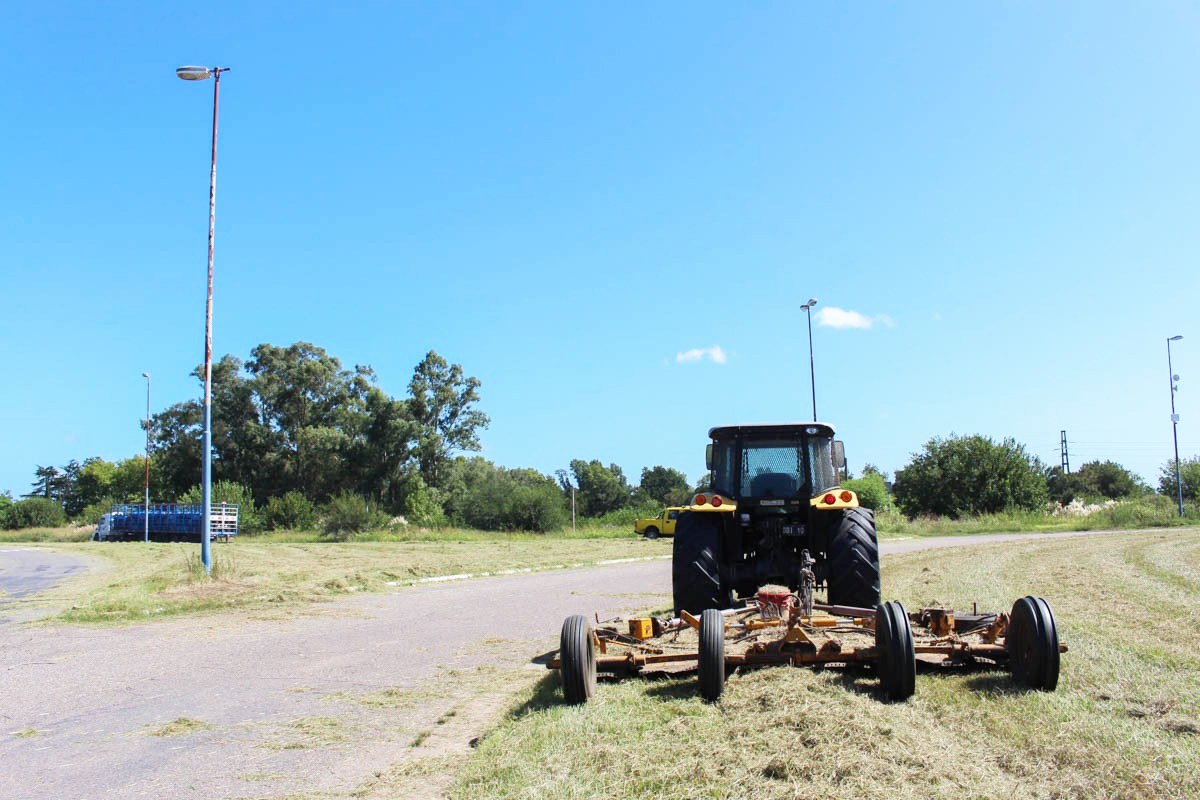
[(724, 481), (820, 455), (772, 468)]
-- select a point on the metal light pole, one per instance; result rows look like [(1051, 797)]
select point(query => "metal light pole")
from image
[(812, 375), (199, 74), (1175, 422), (146, 375)]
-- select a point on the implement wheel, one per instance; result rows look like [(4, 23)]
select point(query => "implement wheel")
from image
[(577, 656), (896, 655), (853, 563), (712, 654), (695, 565), (1032, 643)]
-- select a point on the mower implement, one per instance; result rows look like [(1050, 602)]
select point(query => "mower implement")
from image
[(885, 639)]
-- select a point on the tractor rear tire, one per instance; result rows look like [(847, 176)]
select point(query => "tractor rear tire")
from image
[(712, 654), (896, 659), (853, 568), (1032, 644), (577, 659), (695, 563)]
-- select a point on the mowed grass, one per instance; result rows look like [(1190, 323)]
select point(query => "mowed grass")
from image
[(1124, 722), (134, 580)]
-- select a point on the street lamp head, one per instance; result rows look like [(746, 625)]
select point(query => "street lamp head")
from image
[(809, 304), (193, 73), (1175, 338)]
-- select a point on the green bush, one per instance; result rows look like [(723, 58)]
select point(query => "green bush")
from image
[(963, 476), (249, 521), (1150, 511), (348, 514), (91, 513), (534, 508), (1189, 472), (293, 512), (421, 506), (624, 517), (34, 512), (872, 491)]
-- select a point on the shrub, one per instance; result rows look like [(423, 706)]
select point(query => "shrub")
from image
[(249, 520), (534, 508), (624, 517), (293, 512), (1150, 511), (968, 475), (34, 512), (348, 514), (1189, 472), (91, 513), (872, 491)]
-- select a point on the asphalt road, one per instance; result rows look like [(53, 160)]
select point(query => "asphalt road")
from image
[(234, 706), (26, 573)]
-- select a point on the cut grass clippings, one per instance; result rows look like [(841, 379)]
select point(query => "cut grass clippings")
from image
[(1123, 723)]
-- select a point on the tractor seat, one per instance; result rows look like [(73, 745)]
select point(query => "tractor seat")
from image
[(773, 484)]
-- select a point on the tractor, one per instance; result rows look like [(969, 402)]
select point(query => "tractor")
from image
[(774, 514)]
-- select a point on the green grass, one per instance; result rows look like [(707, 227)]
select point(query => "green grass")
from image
[(283, 570), (137, 581), (1124, 722)]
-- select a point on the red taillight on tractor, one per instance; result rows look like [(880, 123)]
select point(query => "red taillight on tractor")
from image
[(716, 501), (701, 499), (829, 499)]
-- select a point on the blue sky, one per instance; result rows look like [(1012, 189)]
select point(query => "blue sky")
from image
[(611, 213)]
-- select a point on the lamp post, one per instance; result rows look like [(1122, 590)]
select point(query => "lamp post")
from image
[(200, 74), (812, 376), (1175, 422), (146, 516)]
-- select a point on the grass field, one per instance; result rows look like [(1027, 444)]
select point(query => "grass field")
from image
[(284, 570), (1124, 722), (135, 580)]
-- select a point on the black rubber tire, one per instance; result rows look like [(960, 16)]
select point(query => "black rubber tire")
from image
[(1032, 644), (853, 567), (712, 654), (1049, 643), (577, 659), (651, 532), (895, 652), (695, 566)]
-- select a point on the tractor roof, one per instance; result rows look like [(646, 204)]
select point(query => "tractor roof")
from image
[(768, 429)]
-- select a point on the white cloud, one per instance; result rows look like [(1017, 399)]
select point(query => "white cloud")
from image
[(715, 353), (834, 317)]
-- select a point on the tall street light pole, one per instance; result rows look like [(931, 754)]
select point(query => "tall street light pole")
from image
[(200, 74), (146, 516), (1175, 421), (812, 375)]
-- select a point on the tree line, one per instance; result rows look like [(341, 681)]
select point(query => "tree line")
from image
[(964, 476), (299, 441), (296, 435)]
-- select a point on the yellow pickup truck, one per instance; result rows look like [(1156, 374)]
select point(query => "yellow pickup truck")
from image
[(663, 524)]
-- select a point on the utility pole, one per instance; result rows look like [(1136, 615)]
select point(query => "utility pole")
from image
[(1066, 461)]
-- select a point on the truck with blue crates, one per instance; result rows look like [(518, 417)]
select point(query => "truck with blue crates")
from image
[(166, 522)]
